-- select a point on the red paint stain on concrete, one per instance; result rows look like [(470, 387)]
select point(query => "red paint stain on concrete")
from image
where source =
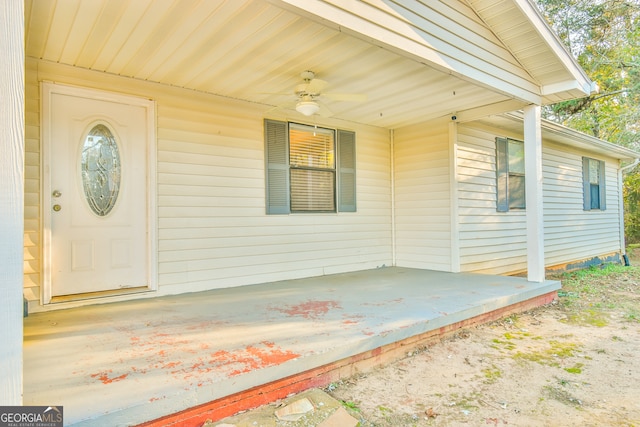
[(384, 303), (171, 365), (310, 309), (105, 379), (352, 319), (250, 358)]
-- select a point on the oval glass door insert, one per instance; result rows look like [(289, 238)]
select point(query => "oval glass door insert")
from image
[(101, 170)]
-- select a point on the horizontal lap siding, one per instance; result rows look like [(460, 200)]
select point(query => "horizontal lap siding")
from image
[(32, 237), (490, 242), (571, 233), (212, 227), (493, 242), (422, 196), (213, 230)]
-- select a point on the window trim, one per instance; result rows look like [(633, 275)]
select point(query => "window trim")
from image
[(278, 169), (503, 194), (586, 185)]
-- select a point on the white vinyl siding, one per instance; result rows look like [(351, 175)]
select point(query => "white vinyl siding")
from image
[(490, 242), (32, 249), (571, 233), (422, 196), (212, 228), (495, 243)]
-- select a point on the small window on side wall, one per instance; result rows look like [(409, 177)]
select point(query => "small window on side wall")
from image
[(593, 179), (510, 174)]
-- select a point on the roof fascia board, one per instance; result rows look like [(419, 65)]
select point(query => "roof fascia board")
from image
[(550, 37), (350, 17), (488, 110), (567, 133), (567, 86)]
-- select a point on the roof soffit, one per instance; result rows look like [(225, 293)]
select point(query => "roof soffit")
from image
[(446, 35), (525, 32), (255, 50)]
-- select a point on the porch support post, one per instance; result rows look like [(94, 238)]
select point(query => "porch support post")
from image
[(533, 189), (11, 199), (453, 194)]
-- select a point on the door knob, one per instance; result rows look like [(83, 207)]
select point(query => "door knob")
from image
[(56, 193), (57, 208)]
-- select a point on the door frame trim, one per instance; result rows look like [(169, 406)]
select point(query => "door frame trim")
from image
[(47, 89)]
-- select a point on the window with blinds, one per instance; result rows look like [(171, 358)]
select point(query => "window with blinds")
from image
[(312, 169), (593, 184), (510, 174), (309, 169)]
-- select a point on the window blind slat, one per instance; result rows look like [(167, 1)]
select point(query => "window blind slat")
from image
[(312, 190)]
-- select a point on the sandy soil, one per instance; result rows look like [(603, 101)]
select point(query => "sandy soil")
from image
[(575, 362)]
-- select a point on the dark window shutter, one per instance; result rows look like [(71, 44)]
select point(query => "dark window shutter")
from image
[(277, 165), (346, 171), (586, 184), (502, 175), (603, 179)]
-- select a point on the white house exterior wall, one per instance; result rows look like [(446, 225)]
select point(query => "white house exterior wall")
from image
[(495, 242), (32, 236), (490, 241), (422, 196), (571, 233), (12, 103), (213, 231)]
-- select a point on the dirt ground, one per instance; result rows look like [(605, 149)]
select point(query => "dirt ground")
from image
[(575, 362)]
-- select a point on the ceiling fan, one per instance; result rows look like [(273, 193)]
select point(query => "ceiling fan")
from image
[(311, 89)]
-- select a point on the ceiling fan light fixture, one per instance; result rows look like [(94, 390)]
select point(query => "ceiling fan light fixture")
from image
[(308, 108)]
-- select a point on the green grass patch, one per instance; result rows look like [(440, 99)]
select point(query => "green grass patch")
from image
[(492, 374), (590, 317), (550, 356), (350, 405), (575, 369), (502, 345)]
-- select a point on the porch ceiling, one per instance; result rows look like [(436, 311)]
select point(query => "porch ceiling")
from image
[(251, 50)]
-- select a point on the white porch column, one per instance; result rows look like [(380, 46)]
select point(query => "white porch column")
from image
[(11, 199), (533, 189)]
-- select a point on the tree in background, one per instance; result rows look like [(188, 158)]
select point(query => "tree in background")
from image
[(604, 36)]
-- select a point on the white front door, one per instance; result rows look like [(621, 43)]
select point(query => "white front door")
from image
[(97, 210)]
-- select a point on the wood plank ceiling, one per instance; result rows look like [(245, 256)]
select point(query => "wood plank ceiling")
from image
[(243, 49)]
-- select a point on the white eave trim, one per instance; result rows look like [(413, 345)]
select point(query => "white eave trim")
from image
[(582, 81), (572, 137), (569, 86)]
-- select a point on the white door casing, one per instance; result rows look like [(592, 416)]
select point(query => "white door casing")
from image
[(85, 252)]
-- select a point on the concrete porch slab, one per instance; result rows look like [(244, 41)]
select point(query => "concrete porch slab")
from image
[(123, 364)]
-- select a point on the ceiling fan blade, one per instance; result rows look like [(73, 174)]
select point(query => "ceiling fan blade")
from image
[(275, 93), (351, 97), (291, 105), (324, 111), (315, 86)]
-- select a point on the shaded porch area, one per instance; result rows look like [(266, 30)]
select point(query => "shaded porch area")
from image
[(207, 355)]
